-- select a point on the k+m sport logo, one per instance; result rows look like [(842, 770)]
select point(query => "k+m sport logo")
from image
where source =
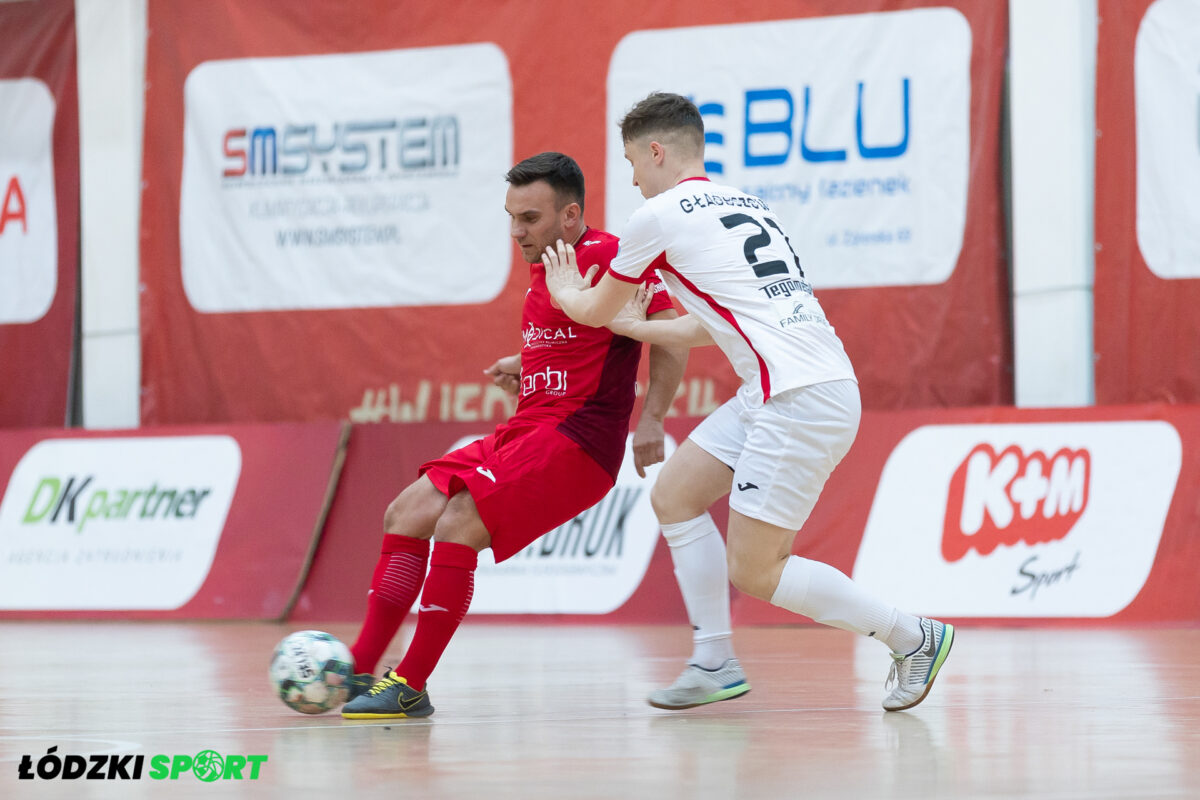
[(772, 113), (1012, 496), (207, 766)]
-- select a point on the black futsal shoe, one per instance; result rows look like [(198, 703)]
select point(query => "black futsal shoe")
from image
[(390, 698), (358, 684)]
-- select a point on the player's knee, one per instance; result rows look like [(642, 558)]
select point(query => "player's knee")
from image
[(415, 512), (666, 505), (460, 523), (749, 576), (658, 500)]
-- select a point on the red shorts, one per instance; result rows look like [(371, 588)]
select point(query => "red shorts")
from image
[(526, 480)]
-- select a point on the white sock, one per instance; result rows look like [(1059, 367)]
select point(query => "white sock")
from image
[(698, 553), (826, 595)]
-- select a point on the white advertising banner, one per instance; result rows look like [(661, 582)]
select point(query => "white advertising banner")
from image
[(114, 524), (1167, 110), (1021, 520), (589, 565), (347, 180), (854, 129), (28, 214)]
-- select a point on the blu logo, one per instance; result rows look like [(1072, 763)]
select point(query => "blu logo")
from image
[(712, 137), (770, 125)]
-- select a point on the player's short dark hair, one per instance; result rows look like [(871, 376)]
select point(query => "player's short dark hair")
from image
[(560, 171), (664, 113)]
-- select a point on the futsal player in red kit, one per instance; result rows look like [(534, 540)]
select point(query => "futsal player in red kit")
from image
[(556, 457)]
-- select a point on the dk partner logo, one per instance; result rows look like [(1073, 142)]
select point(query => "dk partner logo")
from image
[(207, 766), (114, 523)]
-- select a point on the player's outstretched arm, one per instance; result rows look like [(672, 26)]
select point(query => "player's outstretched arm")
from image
[(667, 330), (684, 331), (574, 293)]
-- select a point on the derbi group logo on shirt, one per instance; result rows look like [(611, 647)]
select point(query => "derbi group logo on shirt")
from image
[(114, 524), (1023, 520), (28, 214), (854, 129)]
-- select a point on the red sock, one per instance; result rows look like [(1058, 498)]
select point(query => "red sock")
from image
[(394, 586), (444, 603)]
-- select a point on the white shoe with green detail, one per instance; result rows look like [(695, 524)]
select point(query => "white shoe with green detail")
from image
[(913, 674), (698, 686)]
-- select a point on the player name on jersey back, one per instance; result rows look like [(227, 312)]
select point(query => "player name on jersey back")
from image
[(706, 200)]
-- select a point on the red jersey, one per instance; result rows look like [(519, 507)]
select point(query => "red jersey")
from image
[(577, 378)]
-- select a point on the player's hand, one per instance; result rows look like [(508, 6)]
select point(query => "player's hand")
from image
[(506, 373), (632, 314), (648, 443), (562, 271)]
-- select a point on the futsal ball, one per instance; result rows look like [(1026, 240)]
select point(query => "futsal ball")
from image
[(310, 671)]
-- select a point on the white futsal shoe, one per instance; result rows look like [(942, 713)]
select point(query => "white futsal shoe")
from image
[(913, 674), (697, 686)]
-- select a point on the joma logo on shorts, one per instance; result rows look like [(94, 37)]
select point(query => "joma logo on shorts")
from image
[(1008, 497)]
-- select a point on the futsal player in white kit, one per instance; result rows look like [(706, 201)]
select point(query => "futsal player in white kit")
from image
[(725, 258)]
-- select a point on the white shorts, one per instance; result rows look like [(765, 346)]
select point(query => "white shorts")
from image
[(782, 452)]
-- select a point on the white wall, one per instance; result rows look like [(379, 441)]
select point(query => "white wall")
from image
[(111, 41), (1052, 100)]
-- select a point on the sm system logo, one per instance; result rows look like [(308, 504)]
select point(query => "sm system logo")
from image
[(359, 148), (775, 130)]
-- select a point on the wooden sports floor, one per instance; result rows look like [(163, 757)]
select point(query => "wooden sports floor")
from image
[(557, 711)]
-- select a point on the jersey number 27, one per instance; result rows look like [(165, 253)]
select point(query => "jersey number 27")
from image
[(759, 240)]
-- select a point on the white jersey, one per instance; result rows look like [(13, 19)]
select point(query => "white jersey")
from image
[(722, 253)]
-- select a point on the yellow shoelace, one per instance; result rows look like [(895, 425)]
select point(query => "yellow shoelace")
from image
[(386, 682)]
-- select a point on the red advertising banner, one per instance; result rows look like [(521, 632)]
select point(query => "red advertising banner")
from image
[(192, 523), (39, 209), (993, 514), (1003, 514), (341, 229), (1147, 281)]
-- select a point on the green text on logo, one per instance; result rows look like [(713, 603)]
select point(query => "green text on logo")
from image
[(75, 502), (207, 765)]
